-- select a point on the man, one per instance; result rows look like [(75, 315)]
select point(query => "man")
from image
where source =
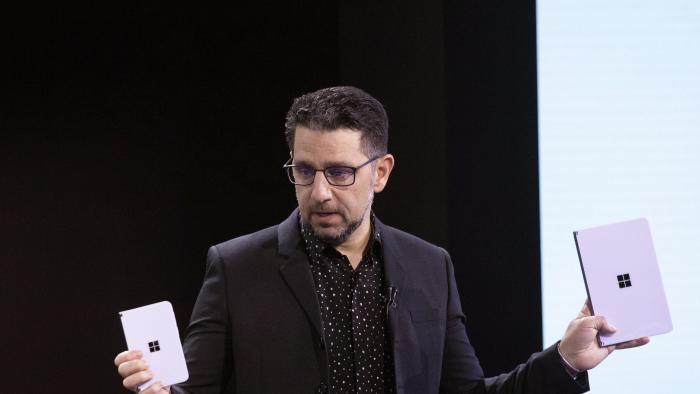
[(332, 300)]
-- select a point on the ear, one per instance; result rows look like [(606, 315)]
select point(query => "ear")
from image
[(382, 171)]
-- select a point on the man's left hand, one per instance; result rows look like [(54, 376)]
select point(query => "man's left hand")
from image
[(580, 347)]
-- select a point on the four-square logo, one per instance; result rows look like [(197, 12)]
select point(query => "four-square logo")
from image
[(624, 281), (154, 346)]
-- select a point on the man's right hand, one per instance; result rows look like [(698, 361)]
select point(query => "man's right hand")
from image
[(134, 370)]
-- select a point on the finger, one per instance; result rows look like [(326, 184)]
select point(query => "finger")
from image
[(610, 348), (131, 382), (156, 388), (131, 367), (585, 309), (633, 343), (152, 389), (127, 355)]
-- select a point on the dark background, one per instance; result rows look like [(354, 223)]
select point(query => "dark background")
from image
[(132, 139)]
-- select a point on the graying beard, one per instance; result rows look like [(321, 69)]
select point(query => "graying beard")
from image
[(343, 236)]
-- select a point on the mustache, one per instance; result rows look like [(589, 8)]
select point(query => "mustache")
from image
[(323, 208)]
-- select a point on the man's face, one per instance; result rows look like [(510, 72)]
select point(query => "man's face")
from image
[(335, 212)]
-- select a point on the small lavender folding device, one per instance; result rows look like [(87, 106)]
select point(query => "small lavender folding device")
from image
[(153, 330), (623, 280)]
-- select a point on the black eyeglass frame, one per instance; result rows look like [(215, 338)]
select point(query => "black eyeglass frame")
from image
[(290, 167)]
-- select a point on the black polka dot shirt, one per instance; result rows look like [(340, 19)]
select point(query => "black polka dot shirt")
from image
[(353, 311)]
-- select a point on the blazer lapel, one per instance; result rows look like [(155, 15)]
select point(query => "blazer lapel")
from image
[(394, 272), (407, 362), (295, 269)]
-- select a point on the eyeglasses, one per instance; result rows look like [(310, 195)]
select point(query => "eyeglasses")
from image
[(304, 175)]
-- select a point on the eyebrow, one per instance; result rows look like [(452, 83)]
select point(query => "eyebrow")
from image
[(325, 165)]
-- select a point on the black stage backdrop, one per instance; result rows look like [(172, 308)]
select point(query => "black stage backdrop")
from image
[(132, 139)]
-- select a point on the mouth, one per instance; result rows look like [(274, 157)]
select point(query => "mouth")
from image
[(324, 217), (324, 214)]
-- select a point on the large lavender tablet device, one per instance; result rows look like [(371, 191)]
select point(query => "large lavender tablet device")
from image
[(623, 280)]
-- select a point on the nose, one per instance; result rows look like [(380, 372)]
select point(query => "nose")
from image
[(320, 189)]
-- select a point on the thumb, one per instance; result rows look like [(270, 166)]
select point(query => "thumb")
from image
[(600, 323)]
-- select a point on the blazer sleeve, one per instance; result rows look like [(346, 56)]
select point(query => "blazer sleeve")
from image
[(461, 371), (208, 341), (542, 373)]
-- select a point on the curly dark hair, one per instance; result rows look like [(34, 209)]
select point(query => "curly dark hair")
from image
[(338, 107)]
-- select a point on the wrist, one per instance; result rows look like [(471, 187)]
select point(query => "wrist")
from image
[(570, 369)]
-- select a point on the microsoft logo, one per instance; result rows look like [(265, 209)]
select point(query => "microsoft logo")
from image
[(624, 281), (153, 346)]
